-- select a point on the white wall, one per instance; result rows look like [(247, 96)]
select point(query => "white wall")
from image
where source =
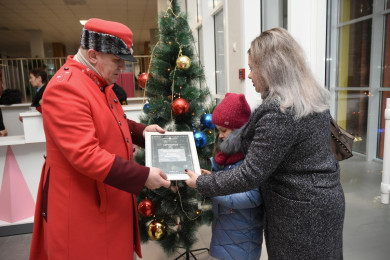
[(250, 14), (307, 24), (233, 45), (208, 43)]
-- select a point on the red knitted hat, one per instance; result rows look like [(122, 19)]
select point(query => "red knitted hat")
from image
[(233, 111), (108, 37)]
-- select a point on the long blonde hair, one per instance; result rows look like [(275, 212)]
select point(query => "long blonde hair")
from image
[(280, 61)]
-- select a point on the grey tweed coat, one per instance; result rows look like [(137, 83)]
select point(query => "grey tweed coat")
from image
[(292, 161)]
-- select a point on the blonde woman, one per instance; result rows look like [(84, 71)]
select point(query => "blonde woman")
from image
[(288, 154)]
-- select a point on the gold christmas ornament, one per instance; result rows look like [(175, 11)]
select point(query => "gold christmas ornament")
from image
[(157, 230), (183, 62)]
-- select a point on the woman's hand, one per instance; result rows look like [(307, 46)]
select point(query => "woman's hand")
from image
[(153, 128), (204, 172), (191, 182)]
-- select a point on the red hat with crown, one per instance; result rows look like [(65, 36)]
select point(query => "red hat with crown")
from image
[(108, 37)]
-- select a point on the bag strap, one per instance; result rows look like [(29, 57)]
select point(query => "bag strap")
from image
[(339, 129), (334, 123)]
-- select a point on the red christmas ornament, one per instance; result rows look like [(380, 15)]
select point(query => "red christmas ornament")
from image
[(142, 80), (146, 208), (180, 106)]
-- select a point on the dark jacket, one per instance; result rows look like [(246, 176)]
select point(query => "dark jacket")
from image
[(36, 102), (293, 162), (2, 127), (120, 93), (11, 96)]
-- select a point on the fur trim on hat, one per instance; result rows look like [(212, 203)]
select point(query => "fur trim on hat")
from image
[(104, 43)]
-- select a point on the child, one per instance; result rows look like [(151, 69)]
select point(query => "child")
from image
[(237, 230)]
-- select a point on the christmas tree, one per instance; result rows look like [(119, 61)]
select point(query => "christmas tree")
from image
[(177, 96)]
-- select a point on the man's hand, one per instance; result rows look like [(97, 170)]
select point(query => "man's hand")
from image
[(4, 132), (192, 180), (156, 179), (153, 128)]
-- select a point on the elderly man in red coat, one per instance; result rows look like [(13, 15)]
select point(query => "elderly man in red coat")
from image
[(86, 206)]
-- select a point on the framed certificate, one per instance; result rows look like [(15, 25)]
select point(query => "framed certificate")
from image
[(172, 152)]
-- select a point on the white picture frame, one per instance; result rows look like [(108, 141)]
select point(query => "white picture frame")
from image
[(172, 152)]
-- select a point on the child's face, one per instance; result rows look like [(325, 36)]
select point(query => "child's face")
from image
[(223, 131)]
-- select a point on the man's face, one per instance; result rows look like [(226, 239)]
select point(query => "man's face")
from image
[(36, 82), (109, 66)]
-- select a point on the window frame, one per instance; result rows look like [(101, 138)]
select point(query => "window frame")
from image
[(376, 67)]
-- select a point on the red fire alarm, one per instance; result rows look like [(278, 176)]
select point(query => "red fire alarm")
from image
[(241, 73)]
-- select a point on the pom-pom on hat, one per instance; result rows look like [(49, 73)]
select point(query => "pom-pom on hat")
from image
[(108, 37), (233, 111)]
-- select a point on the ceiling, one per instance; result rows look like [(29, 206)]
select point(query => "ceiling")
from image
[(58, 20)]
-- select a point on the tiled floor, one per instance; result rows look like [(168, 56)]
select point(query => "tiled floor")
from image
[(366, 229)]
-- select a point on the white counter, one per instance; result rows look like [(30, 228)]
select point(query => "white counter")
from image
[(12, 140), (11, 117), (31, 130), (33, 127), (21, 160)]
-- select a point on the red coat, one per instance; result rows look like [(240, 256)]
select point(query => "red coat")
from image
[(86, 207)]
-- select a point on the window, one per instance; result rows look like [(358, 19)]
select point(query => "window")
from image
[(360, 74), (385, 94), (200, 45), (198, 11), (216, 3), (273, 14), (353, 9), (219, 37), (354, 72), (199, 31)]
